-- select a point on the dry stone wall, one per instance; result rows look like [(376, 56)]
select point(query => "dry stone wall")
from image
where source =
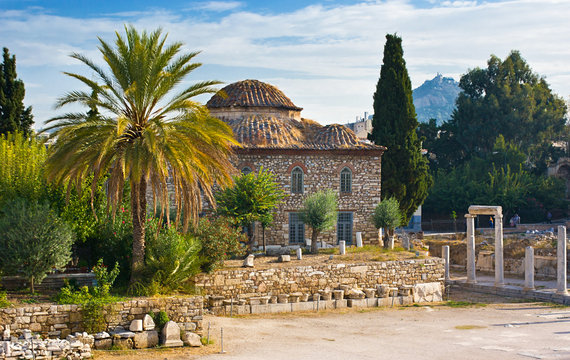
[(59, 321), (246, 283)]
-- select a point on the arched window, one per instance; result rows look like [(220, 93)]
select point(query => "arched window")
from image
[(246, 170), (346, 180), (297, 180)]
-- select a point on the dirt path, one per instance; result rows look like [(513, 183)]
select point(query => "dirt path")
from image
[(496, 331)]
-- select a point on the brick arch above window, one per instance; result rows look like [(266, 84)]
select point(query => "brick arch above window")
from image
[(297, 164), (243, 165), (345, 165)]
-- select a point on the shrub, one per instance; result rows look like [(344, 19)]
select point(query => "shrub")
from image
[(171, 259), (105, 278), (219, 240), (94, 316), (4, 300), (160, 319)]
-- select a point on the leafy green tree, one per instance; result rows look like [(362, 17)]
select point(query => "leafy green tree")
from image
[(252, 197), (22, 163), (404, 169), (149, 131), (220, 241), (33, 240), (387, 216), (13, 115), (506, 98), (319, 212)]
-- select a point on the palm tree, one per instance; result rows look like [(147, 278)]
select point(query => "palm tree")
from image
[(139, 134)]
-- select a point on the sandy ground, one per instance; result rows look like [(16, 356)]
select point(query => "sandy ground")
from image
[(502, 329)]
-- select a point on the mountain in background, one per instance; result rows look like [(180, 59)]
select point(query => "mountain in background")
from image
[(436, 99)]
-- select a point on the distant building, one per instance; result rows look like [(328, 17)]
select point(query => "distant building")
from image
[(362, 126), (305, 157)]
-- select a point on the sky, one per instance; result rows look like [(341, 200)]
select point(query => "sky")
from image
[(325, 55)]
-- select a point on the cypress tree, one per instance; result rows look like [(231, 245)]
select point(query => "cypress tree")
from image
[(404, 170), (13, 115)]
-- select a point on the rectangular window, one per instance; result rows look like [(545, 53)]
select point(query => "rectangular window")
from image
[(344, 227), (296, 229)]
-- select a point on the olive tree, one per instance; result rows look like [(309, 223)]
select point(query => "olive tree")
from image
[(33, 240), (319, 213), (387, 216)]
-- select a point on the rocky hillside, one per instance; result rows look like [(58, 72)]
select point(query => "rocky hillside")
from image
[(436, 99)]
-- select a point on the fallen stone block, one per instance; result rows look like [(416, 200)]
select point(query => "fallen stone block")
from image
[(171, 335), (145, 339), (192, 339)]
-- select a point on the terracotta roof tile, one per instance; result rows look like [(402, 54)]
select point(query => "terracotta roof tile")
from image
[(250, 93)]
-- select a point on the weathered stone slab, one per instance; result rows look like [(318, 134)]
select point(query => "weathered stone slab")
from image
[(145, 339), (284, 258), (192, 339), (170, 335), (248, 261), (148, 323), (136, 325)]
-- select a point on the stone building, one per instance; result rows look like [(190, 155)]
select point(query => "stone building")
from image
[(305, 157)]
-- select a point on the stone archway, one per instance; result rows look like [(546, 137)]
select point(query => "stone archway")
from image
[(497, 212)]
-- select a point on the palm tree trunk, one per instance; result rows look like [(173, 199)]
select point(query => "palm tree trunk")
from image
[(314, 237), (138, 205)]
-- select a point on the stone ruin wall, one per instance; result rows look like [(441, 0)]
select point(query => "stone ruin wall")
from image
[(321, 172), (246, 283), (58, 321)]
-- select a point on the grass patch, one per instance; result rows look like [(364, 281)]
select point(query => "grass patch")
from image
[(204, 341), (469, 327), (461, 304)]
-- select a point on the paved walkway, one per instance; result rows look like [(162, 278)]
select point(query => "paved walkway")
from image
[(545, 290)]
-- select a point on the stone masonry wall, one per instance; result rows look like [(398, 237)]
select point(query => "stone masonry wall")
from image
[(245, 283), (62, 320), (321, 172)]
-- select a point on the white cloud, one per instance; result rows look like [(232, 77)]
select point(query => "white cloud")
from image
[(325, 58), (218, 6)]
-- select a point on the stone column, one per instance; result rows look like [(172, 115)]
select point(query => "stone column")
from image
[(499, 268), (471, 277), (561, 256), (358, 239), (445, 252), (342, 247), (299, 254), (529, 268)]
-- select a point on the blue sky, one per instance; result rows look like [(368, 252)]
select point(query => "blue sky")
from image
[(325, 55)]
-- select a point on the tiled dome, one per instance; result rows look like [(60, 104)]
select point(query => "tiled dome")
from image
[(251, 93), (336, 135), (265, 131)]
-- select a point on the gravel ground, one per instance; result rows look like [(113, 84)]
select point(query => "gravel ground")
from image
[(493, 328)]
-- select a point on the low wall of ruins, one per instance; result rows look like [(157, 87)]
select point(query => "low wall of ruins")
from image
[(247, 282)]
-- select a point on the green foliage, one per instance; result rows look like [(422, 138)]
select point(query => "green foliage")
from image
[(387, 214), (404, 169), (94, 315), (253, 197), (171, 259), (33, 240), (140, 127), (499, 179), (160, 319), (68, 294), (219, 241), (4, 303), (105, 278), (319, 212), (505, 98), (22, 168), (13, 115)]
